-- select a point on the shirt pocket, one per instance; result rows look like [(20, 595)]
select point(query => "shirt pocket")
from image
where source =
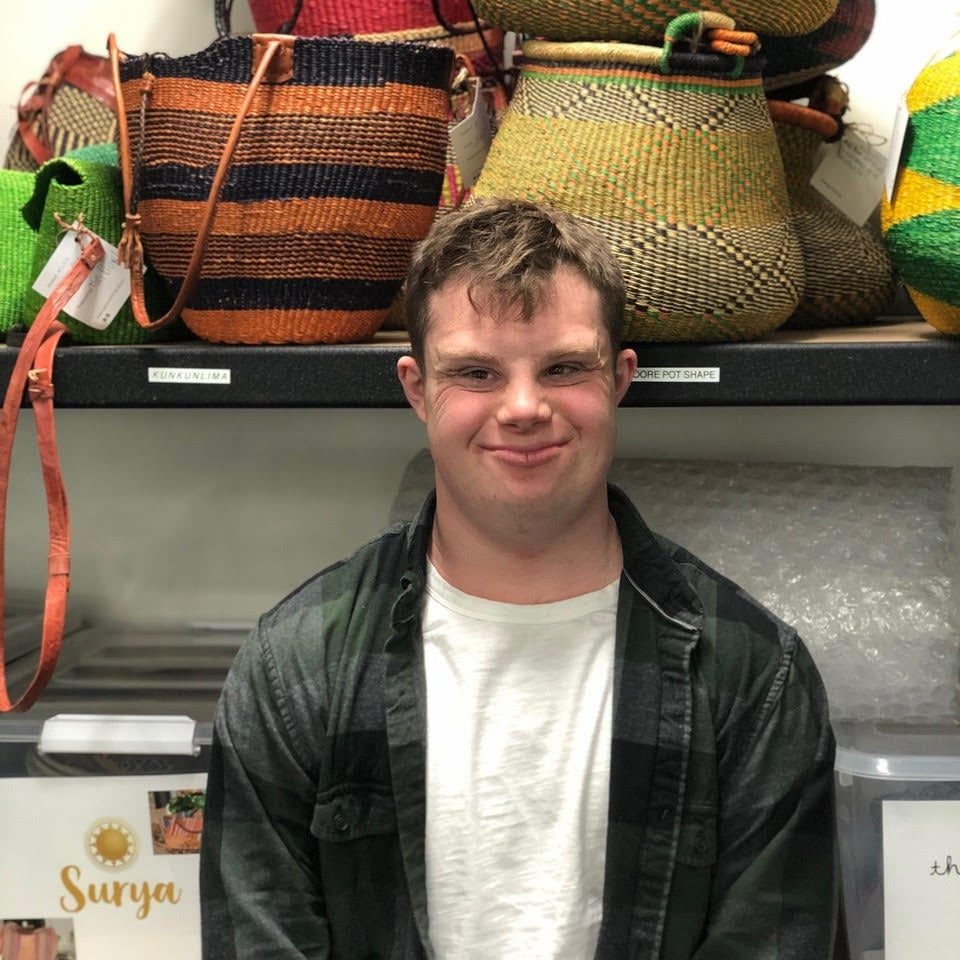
[(350, 813)]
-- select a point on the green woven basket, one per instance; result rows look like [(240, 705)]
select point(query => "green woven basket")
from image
[(17, 240), (674, 160), (70, 186), (849, 277)]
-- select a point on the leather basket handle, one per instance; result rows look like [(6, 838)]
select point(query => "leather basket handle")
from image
[(269, 47), (34, 370)]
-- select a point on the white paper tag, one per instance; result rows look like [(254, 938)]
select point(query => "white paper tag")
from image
[(851, 177), (921, 878), (897, 136), (471, 138), (102, 294)]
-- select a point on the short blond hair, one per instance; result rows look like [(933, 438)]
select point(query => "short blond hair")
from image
[(510, 249)]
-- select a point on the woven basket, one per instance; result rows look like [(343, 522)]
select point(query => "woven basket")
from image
[(643, 20), (679, 170), (849, 277), (71, 186), (921, 221), (793, 60), (17, 240), (336, 176), (325, 18)]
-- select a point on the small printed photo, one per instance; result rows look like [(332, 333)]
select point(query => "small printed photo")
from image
[(176, 820), (50, 938)]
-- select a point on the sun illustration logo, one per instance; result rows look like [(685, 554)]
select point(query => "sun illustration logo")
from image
[(112, 843)]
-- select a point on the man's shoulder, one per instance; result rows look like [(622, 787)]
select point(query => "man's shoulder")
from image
[(349, 592), (732, 614)]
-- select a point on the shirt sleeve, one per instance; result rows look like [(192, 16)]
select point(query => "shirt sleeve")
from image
[(774, 894), (259, 874)]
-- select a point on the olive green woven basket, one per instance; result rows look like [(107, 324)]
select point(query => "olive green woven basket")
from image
[(16, 245), (643, 20), (70, 186), (672, 157), (849, 277)]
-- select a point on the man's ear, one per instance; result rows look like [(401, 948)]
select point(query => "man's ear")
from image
[(624, 368), (411, 379)]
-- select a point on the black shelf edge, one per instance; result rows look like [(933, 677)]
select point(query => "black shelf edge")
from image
[(913, 369)]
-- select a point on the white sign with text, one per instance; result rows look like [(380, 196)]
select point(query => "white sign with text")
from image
[(108, 863), (921, 879)]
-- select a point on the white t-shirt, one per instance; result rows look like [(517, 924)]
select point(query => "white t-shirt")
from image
[(519, 712)]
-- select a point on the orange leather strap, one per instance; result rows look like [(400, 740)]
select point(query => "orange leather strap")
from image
[(270, 50), (33, 370)]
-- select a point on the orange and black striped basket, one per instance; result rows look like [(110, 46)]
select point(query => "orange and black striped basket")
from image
[(279, 184)]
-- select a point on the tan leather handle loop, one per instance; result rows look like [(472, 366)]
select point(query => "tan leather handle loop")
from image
[(34, 366), (131, 246)]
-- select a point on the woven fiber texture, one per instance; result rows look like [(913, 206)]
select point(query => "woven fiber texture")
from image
[(791, 60), (849, 277), (921, 221), (336, 177), (71, 186), (643, 20), (324, 18), (680, 172), (75, 119), (17, 240)]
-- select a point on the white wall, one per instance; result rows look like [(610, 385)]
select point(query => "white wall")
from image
[(215, 514)]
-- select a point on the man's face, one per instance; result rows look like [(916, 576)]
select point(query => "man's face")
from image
[(520, 415)]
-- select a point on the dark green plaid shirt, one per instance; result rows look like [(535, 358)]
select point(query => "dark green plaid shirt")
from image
[(720, 841)]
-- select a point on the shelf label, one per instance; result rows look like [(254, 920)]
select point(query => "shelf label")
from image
[(677, 375), (188, 375)]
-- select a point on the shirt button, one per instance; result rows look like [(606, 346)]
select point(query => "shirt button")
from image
[(663, 814), (340, 822), (700, 843)]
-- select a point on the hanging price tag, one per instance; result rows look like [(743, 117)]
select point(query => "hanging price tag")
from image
[(898, 135), (471, 139), (851, 177), (103, 293)]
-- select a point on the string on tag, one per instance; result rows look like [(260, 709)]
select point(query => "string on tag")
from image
[(77, 226)]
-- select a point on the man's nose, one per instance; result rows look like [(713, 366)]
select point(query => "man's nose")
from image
[(524, 401)]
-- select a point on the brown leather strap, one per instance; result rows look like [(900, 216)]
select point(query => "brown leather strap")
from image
[(130, 249), (33, 370), (75, 66)]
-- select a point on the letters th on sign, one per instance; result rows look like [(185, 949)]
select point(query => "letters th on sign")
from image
[(921, 878)]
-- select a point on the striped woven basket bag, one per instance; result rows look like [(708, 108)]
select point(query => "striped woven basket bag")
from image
[(848, 274), (643, 20), (278, 183), (672, 157), (921, 221), (17, 240), (795, 59)]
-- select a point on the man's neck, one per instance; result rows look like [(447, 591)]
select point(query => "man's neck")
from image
[(516, 566)]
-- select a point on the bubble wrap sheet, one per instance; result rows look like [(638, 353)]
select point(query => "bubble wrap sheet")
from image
[(861, 560)]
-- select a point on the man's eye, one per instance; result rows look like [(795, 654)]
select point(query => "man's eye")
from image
[(562, 369), (475, 373)]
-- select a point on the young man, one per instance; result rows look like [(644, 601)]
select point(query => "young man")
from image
[(522, 726)]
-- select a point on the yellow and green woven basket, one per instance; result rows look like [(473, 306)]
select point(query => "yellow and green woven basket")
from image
[(643, 20), (673, 158), (921, 221)]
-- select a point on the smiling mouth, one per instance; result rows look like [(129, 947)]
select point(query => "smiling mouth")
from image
[(526, 456)]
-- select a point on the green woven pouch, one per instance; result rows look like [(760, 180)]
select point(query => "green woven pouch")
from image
[(70, 186), (16, 245)]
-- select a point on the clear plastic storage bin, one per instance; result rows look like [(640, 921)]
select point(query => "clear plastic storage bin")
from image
[(880, 764)]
